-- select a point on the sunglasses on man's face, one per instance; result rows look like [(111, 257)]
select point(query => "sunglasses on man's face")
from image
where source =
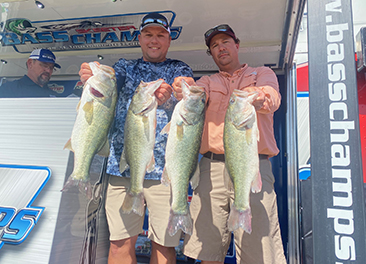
[(156, 21), (222, 28)]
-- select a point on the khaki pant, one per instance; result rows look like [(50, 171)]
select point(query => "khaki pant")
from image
[(157, 200), (210, 208)]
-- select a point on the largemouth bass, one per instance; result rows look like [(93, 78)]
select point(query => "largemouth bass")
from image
[(241, 156), (139, 141), (95, 113), (181, 158)]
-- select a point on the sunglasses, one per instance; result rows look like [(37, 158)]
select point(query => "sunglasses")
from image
[(156, 21), (222, 28)]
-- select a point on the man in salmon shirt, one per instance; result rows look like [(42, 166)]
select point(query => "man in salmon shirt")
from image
[(212, 199)]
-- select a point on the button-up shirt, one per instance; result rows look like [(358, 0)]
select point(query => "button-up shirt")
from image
[(219, 88), (129, 74)]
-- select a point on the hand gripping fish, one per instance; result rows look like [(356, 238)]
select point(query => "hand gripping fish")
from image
[(139, 142), (181, 158), (95, 113), (241, 156)]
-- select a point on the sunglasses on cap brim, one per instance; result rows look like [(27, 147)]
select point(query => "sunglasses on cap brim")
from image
[(155, 21), (222, 28)]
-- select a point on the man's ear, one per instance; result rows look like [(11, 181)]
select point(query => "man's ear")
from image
[(29, 63)]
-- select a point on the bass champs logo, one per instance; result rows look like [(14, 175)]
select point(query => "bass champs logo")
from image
[(19, 187), (118, 31)]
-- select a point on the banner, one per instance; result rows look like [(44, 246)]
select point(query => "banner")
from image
[(103, 32), (336, 168)]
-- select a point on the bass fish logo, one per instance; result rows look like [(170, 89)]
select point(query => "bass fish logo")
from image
[(19, 187), (19, 26)]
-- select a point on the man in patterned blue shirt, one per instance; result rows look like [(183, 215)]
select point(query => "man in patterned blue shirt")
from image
[(124, 228)]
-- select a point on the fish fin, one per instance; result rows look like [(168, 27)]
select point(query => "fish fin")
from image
[(151, 166), (78, 106), (88, 106), (180, 221), (195, 180), (134, 202), (248, 135), (123, 163), (88, 109), (165, 130), (257, 183), (228, 182), (180, 131), (165, 180), (68, 145), (241, 219), (104, 151)]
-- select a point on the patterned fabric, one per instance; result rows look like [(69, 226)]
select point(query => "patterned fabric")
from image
[(129, 73)]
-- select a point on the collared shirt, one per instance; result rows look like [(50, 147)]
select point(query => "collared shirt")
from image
[(25, 87), (219, 88), (129, 73)]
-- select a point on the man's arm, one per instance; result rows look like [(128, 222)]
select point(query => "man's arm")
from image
[(269, 98), (181, 69)]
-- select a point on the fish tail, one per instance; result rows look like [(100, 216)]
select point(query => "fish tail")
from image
[(241, 219), (180, 221), (134, 202)]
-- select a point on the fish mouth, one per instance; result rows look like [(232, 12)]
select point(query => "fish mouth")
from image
[(147, 109), (197, 90)]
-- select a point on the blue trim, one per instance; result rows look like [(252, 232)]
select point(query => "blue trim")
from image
[(28, 206), (304, 173), (302, 94)]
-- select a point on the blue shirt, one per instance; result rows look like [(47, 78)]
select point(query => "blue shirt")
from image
[(129, 74), (25, 87)]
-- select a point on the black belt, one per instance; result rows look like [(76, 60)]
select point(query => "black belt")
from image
[(221, 157), (213, 156)]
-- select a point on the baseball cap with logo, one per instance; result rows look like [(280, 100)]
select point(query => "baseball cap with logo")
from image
[(155, 19), (44, 55), (223, 28)]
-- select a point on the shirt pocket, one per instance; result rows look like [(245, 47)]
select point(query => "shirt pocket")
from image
[(249, 80), (218, 98)]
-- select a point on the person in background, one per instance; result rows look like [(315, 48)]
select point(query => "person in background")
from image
[(124, 228), (212, 199), (40, 66)]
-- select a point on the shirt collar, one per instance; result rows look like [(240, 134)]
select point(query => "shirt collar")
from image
[(237, 72), (28, 81)]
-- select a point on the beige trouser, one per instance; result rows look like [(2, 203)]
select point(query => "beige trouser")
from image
[(210, 208), (157, 200)]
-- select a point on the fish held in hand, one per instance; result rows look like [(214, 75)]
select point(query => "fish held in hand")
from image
[(241, 156), (95, 113), (181, 158), (139, 142)]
